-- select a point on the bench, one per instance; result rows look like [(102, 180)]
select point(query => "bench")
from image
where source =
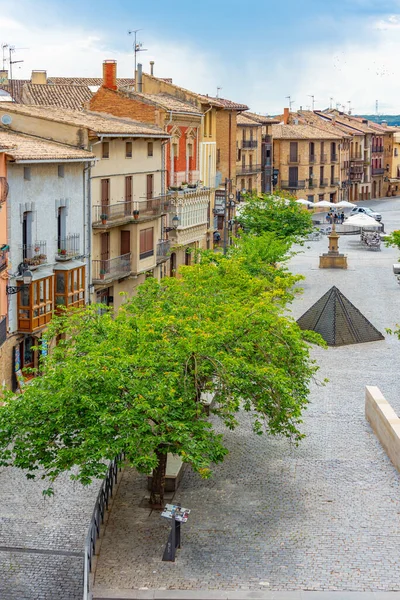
[(173, 474)]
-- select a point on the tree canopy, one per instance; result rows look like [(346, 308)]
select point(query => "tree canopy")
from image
[(282, 216), (132, 383)]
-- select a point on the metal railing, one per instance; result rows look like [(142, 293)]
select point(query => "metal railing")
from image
[(249, 143), (334, 157), (356, 156), (312, 183), (334, 182), (323, 183), (377, 148), (247, 169), (323, 158), (97, 520), (377, 171), (3, 329), (354, 170), (3, 189), (69, 247), (111, 268), (133, 209), (163, 250), (312, 158), (34, 254), (293, 185)]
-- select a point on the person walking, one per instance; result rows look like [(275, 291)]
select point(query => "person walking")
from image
[(342, 217)]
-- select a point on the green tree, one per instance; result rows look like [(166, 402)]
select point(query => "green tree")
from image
[(279, 215), (393, 239), (132, 383)]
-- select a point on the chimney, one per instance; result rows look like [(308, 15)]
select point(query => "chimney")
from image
[(39, 77), (285, 116), (333, 121), (152, 67), (110, 74), (4, 76), (139, 86)]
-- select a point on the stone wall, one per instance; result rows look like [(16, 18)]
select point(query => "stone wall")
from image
[(384, 422)]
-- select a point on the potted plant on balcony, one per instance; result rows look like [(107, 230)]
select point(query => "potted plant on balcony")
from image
[(102, 273), (192, 186), (174, 188), (136, 214), (184, 185), (42, 258), (104, 218), (62, 252)]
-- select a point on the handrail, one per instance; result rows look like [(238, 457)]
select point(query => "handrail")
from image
[(101, 505)]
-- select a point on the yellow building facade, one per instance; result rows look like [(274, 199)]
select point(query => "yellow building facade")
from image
[(248, 154)]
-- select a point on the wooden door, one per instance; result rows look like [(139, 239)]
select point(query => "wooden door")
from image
[(293, 151), (128, 195), (105, 252), (105, 195), (293, 176), (149, 187)]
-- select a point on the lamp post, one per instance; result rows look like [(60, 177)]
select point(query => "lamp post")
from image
[(26, 278), (175, 223)]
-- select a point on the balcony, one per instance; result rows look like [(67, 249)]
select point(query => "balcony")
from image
[(35, 254), (377, 149), (163, 250), (248, 170), (293, 160), (3, 329), (356, 156), (377, 171), (334, 157), (312, 158), (323, 183), (312, 183), (356, 169), (69, 247), (249, 143), (3, 189), (323, 159), (356, 176), (293, 185), (3, 259), (112, 268), (334, 182), (133, 211)]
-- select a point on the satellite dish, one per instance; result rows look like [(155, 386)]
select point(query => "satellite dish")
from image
[(6, 119)]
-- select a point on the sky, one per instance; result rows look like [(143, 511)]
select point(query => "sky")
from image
[(342, 52)]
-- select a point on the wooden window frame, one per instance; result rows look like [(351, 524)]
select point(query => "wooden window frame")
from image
[(33, 311), (128, 153), (150, 149), (73, 292), (105, 149)]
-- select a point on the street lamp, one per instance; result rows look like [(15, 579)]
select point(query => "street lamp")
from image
[(26, 278), (175, 222)]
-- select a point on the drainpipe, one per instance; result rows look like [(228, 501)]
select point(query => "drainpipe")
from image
[(87, 222)]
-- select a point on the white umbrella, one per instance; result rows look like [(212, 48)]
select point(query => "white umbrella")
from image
[(324, 204), (345, 204), (361, 220), (304, 202)]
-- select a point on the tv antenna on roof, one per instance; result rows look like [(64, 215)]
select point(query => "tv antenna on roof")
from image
[(218, 90), (290, 102), (4, 47), (137, 46), (12, 62)]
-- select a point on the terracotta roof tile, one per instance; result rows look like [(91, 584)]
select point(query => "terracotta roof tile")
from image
[(169, 103), (265, 120), (97, 122), (230, 105), (25, 147), (302, 132), (64, 96), (92, 81), (243, 119)]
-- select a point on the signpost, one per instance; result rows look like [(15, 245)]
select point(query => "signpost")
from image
[(178, 515)]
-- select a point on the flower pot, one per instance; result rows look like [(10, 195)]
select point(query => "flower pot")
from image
[(104, 221)]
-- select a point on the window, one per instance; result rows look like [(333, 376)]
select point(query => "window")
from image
[(61, 228), (61, 170), (105, 195), (149, 187), (149, 148), (105, 150), (27, 173), (35, 305), (218, 155), (125, 242), (128, 150), (146, 242), (310, 198), (128, 195), (250, 188), (27, 235), (332, 174), (70, 287), (188, 257), (320, 197), (242, 184), (396, 152), (239, 154)]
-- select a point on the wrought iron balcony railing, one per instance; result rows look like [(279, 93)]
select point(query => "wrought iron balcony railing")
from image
[(293, 185), (249, 143), (355, 169), (163, 250), (323, 158), (34, 254), (312, 183), (112, 268), (69, 247), (133, 210), (377, 148), (377, 171), (293, 159), (312, 158), (323, 183), (248, 169), (334, 157), (334, 182)]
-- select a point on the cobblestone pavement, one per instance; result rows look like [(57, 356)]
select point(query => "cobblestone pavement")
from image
[(323, 516), (42, 540)]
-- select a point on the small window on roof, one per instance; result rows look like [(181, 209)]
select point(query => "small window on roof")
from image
[(128, 150), (61, 170), (27, 173), (149, 148)]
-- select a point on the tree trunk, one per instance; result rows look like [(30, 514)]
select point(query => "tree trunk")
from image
[(158, 482)]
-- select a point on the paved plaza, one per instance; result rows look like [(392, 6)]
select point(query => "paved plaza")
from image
[(323, 516)]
